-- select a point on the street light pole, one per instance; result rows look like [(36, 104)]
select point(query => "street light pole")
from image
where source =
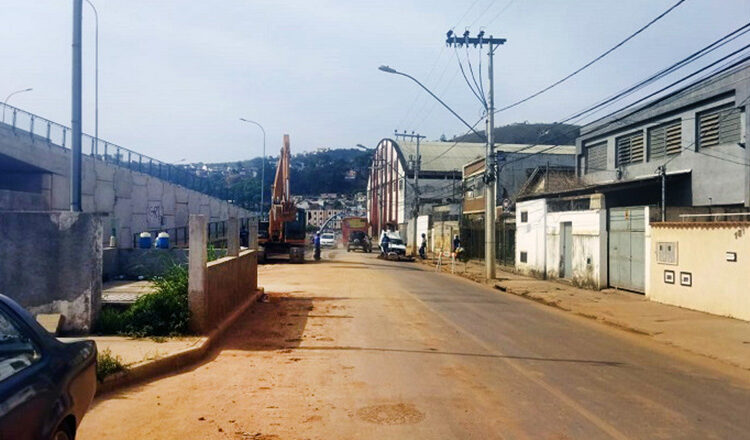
[(8, 97), (263, 165), (96, 79), (75, 119)]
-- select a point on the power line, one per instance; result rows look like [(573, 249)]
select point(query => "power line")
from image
[(560, 81), (670, 69), (673, 84)]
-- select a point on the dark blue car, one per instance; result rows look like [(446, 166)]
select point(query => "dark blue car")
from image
[(46, 386)]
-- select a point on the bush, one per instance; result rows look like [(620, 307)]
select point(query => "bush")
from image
[(107, 364), (162, 313), (111, 322)]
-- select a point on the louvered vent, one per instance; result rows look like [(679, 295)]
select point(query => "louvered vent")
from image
[(719, 126), (665, 140), (630, 149)]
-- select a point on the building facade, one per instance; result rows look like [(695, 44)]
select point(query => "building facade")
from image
[(680, 158)]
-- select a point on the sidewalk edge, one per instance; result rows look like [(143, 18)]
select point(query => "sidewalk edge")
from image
[(149, 369)]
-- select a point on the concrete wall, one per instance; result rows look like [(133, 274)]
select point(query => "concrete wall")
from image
[(217, 288), (530, 237), (539, 238), (133, 201), (230, 283), (718, 286), (52, 263), (441, 236)]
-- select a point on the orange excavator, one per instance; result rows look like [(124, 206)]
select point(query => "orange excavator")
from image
[(285, 229)]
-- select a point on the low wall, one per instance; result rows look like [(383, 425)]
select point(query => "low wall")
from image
[(702, 275), (218, 288), (230, 282), (51, 262)]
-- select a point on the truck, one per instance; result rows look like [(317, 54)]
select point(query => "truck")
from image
[(351, 224)]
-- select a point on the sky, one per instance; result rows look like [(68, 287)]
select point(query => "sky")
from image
[(176, 76)]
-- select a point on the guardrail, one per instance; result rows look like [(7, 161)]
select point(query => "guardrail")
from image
[(44, 130)]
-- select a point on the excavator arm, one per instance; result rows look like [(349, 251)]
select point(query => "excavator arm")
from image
[(282, 206)]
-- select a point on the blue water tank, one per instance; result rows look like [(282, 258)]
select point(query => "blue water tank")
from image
[(162, 240), (144, 240)]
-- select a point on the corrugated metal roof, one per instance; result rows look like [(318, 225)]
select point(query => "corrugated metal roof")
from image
[(449, 156)]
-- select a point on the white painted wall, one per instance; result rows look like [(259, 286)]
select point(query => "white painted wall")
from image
[(589, 246), (718, 286), (530, 237), (540, 239)]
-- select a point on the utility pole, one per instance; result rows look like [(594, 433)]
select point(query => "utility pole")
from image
[(416, 163), (75, 123), (489, 165)]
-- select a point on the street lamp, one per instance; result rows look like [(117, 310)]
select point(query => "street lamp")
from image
[(364, 148), (8, 97), (388, 69), (96, 79), (263, 165)]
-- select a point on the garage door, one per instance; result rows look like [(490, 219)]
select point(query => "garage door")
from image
[(627, 257)]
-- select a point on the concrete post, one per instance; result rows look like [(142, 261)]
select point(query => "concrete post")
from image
[(197, 286), (233, 237)]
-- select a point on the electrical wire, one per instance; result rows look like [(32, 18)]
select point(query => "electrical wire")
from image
[(585, 66), (461, 66)]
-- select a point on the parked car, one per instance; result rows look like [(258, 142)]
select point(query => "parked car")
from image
[(359, 240), (46, 386), (328, 239)]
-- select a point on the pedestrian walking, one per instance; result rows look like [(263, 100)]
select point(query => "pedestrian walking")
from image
[(423, 247)]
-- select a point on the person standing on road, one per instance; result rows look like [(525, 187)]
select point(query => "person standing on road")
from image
[(316, 246), (456, 243), (423, 247)]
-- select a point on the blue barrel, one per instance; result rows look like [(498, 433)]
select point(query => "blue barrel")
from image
[(162, 240), (144, 240)]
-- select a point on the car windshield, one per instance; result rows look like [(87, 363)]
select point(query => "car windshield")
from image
[(327, 236), (16, 349), (358, 235), (396, 241)]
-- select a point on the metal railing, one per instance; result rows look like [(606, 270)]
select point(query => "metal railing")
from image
[(40, 129), (179, 236)]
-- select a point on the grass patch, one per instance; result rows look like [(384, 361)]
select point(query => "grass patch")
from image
[(108, 364), (162, 313)]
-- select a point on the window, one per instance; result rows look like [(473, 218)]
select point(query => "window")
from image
[(719, 126), (629, 149), (524, 216), (524, 257), (16, 349), (596, 157), (665, 140)]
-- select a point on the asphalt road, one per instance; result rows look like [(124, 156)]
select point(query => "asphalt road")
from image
[(356, 347)]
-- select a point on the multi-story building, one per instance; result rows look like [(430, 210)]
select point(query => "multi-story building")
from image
[(682, 156)]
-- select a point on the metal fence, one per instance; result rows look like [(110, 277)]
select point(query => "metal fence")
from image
[(217, 233), (40, 129), (472, 240)]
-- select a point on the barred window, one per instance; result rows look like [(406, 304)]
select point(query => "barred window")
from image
[(719, 126), (629, 149), (665, 140), (596, 157)]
